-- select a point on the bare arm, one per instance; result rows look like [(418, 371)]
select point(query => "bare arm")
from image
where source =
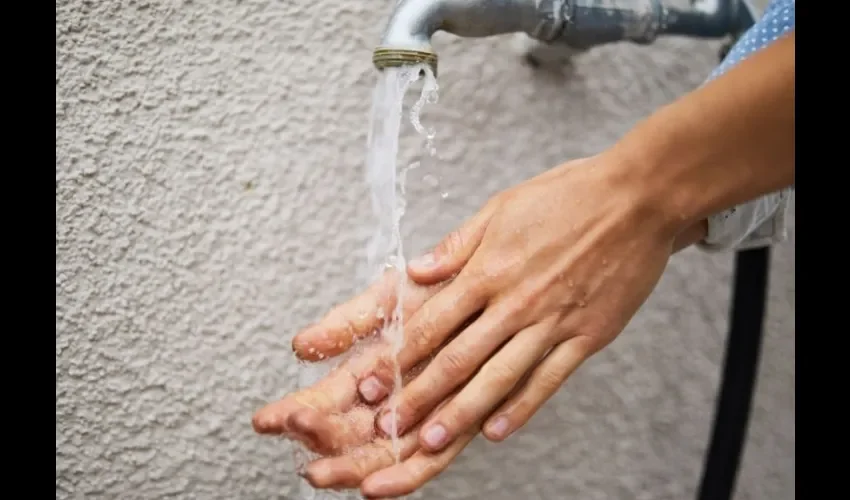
[(723, 144)]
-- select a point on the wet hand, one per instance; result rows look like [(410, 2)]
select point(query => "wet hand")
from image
[(550, 272), (371, 466), (329, 420), (328, 417)]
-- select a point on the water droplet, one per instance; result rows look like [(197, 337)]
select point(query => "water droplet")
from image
[(582, 303), (570, 283), (444, 195)]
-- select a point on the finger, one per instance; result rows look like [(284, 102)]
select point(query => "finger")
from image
[(490, 386), (429, 327), (544, 382), (346, 323), (452, 366), (334, 393), (372, 389), (349, 470), (331, 434), (453, 252), (360, 317), (407, 476)]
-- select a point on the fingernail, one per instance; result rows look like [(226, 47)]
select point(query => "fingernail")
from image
[(386, 423), (499, 428), (425, 262), (371, 389), (435, 436)]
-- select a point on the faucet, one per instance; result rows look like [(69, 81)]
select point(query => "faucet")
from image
[(579, 24)]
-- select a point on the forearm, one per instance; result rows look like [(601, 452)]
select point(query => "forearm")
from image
[(726, 143)]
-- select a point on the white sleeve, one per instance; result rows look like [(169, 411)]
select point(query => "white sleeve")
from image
[(758, 223)]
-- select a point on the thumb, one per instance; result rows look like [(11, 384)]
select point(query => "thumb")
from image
[(453, 252)]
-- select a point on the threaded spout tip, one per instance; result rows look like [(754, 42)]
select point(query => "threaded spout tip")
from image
[(384, 57)]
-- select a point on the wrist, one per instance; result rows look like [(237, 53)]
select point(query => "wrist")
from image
[(655, 198), (726, 143)]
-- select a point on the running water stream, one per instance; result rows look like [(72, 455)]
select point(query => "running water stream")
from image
[(385, 252), (387, 183)]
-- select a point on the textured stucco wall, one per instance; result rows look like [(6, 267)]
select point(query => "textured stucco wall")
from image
[(210, 201)]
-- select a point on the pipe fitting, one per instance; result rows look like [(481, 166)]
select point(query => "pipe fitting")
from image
[(580, 24)]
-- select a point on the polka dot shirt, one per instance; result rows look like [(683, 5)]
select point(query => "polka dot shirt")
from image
[(760, 222)]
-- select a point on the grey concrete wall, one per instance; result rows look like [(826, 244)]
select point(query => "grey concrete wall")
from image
[(211, 201)]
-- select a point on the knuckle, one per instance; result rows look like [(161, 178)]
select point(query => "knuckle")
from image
[(499, 374), (476, 279), (454, 363), (384, 370), (529, 298), (550, 381), (590, 337), (423, 335), (490, 274), (413, 405)]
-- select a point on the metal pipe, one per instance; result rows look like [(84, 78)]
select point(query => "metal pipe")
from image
[(578, 23), (710, 19)]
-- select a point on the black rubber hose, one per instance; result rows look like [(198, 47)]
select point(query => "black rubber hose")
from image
[(740, 369)]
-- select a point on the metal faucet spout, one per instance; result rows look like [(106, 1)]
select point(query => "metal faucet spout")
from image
[(407, 38)]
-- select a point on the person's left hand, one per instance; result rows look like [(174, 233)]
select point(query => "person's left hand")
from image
[(329, 418), (553, 270)]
